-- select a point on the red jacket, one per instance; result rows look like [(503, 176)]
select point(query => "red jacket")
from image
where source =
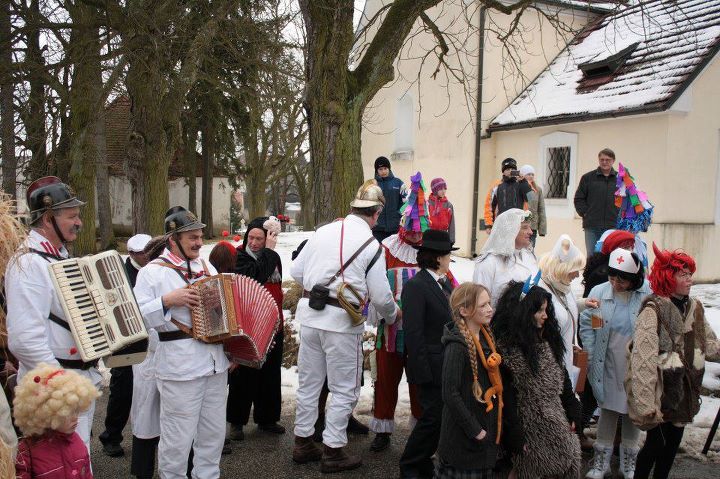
[(53, 456)]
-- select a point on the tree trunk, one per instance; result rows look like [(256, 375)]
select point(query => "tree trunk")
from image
[(34, 120), (7, 115), (105, 220), (189, 159), (208, 155), (85, 100)]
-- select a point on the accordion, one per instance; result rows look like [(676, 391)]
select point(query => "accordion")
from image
[(100, 308), (238, 311)]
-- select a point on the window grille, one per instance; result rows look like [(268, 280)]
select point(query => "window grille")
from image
[(558, 172)]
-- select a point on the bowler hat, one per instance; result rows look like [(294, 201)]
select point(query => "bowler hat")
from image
[(436, 240)]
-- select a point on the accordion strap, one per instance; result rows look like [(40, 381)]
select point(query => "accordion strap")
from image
[(59, 321), (182, 327)]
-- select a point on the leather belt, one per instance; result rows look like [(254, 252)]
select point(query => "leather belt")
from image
[(173, 335), (77, 364), (329, 300)]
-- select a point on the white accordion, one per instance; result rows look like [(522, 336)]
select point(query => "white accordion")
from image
[(100, 308)]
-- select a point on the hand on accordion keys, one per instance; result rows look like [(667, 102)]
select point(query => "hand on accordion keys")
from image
[(181, 297)]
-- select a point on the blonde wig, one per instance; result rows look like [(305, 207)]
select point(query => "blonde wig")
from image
[(564, 259), (48, 395)]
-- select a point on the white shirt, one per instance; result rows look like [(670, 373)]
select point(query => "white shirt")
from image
[(495, 271), (31, 297), (320, 260), (182, 359), (568, 324), (436, 277)]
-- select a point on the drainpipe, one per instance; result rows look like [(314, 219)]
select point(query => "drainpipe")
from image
[(478, 134)]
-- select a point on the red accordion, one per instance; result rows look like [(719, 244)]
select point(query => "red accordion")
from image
[(239, 312)]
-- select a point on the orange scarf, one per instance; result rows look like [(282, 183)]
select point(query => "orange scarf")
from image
[(492, 366)]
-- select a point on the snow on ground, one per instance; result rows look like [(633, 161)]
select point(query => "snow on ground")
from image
[(462, 268)]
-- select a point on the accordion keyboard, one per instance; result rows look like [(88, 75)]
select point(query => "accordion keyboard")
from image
[(98, 304)]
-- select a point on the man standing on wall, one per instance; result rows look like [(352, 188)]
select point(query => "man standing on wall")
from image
[(595, 199)]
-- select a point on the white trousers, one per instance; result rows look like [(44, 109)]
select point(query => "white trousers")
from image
[(192, 414), (85, 422), (339, 357)]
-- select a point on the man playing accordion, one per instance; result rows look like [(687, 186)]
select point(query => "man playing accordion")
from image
[(38, 330), (191, 375)]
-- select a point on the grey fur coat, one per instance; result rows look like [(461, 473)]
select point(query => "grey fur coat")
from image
[(545, 402)]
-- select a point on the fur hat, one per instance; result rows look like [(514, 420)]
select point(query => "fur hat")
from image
[(438, 184)]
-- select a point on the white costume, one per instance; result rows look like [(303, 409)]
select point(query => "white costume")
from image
[(191, 376), (32, 337), (329, 343), (499, 262), (145, 409)]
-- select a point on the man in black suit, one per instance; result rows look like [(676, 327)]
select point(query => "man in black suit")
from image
[(121, 379), (426, 310)]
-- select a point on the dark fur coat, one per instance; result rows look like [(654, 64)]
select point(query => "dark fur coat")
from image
[(546, 407)]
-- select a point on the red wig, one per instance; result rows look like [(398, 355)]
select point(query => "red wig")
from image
[(664, 268), (617, 239), (223, 257)]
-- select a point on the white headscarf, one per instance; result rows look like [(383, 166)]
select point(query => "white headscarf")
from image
[(504, 231), (565, 250)]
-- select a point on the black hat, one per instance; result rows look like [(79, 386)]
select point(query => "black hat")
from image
[(436, 240), (258, 223), (49, 193), (508, 164), (179, 219), (380, 162)]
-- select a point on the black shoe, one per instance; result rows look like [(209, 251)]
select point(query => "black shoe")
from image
[(236, 433), (113, 449), (356, 427), (319, 428), (381, 442), (272, 427), (226, 448)]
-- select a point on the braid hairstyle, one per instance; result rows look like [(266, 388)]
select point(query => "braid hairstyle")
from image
[(465, 296)]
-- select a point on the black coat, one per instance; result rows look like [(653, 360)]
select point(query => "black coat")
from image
[(131, 271), (425, 312), (260, 269), (595, 200), (464, 417), (392, 188)]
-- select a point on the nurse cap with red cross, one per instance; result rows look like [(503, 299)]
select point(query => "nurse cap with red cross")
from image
[(622, 260)]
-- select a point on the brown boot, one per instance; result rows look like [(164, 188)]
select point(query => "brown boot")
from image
[(334, 459), (305, 450), (586, 444)]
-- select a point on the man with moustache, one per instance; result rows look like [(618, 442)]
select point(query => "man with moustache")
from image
[(38, 330), (191, 375)]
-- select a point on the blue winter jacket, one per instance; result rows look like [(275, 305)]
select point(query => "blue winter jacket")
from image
[(392, 188), (595, 341)]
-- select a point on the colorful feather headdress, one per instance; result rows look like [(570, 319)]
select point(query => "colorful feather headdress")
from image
[(530, 283), (636, 211), (415, 216)]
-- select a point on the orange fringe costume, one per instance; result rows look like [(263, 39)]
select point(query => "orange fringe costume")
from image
[(492, 366)]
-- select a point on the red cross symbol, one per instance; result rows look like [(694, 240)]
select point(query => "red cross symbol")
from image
[(620, 260)]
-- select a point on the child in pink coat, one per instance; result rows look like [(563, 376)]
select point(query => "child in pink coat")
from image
[(47, 403)]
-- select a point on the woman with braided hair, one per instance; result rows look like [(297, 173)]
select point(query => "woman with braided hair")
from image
[(528, 338), (474, 403)]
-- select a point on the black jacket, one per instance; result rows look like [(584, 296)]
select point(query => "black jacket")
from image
[(595, 200), (131, 271), (464, 417), (392, 188), (425, 312), (259, 269), (509, 194)]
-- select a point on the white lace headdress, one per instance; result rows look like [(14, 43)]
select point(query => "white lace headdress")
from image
[(504, 231)]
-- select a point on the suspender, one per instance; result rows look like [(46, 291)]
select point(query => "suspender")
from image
[(169, 264)]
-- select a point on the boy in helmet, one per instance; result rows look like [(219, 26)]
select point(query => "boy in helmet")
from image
[(191, 375), (38, 330)]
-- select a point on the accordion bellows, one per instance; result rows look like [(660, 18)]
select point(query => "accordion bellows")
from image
[(238, 311)]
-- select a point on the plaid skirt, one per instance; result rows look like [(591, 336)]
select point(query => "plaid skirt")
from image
[(445, 471)]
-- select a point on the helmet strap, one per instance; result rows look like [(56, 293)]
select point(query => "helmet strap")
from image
[(56, 228), (176, 237)]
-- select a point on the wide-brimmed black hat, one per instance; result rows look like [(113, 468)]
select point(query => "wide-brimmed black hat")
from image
[(436, 240)]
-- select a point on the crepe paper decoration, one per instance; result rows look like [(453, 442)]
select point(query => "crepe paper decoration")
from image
[(415, 214), (635, 210)]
